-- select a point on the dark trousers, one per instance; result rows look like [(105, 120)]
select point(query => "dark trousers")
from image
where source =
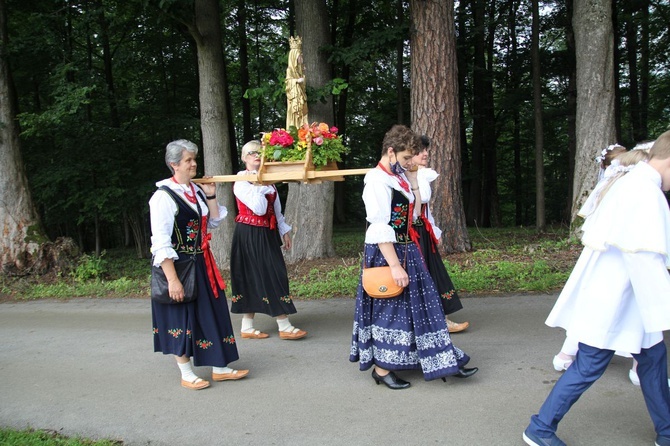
[(589, 365)]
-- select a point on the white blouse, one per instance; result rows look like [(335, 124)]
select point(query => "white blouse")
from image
[(377, 196), (424, 177), (253, 197), (163, 210)]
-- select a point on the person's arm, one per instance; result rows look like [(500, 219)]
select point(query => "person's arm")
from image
[(175, 287), (411, 176), (283, 227), (210, 198), (377, 199), (162, 210), (398, 273), (651, 286), (252, 196)]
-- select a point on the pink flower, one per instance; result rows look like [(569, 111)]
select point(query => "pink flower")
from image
[(333, 129), (318, 140)]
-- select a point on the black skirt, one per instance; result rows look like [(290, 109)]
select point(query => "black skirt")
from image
[(259, 281), (445, 287), (201, 329)]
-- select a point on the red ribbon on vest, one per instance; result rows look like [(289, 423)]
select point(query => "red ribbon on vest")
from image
[(212, 270)]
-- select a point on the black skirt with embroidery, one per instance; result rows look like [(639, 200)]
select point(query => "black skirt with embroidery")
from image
[(451, 303), (259, 281), (201, 329)]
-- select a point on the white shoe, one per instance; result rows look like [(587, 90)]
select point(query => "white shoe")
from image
[(632, 375), (561, 364)]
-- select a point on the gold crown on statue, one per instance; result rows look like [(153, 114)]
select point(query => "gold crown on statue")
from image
[(295, 42)]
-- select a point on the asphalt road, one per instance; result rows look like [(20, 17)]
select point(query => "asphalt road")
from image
[(86, 367)]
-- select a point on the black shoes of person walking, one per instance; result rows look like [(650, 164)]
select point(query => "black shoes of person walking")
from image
[(390, 380), (464, 372)]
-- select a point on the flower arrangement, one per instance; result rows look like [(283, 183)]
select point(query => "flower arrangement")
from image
[(291, 145)]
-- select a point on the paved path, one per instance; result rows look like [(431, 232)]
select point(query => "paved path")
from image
[(86, 367)]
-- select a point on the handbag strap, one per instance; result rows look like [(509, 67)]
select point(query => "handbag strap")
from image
[(197, 203)]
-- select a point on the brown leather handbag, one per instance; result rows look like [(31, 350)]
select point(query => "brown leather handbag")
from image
[(378, 281)]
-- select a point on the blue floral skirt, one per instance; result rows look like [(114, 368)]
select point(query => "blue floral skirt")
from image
[(406, 332)]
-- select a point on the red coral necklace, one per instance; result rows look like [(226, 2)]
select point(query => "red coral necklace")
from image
[(191, 198)]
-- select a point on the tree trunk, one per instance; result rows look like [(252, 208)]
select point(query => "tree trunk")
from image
[(572, 109), (462, 61), (399, 76), (341, 108), (213, 116), (515, 76), (21, 231), (483, 206), (634, 106), (595, 126), (247, 132), (434, 69), (540, 222), (644, 69), (617, 77), (309, 207)]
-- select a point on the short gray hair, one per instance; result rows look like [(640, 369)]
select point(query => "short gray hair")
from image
[(174, 151), (252, 146)]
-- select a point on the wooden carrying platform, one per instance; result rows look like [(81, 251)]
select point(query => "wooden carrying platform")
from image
[(289, 171)]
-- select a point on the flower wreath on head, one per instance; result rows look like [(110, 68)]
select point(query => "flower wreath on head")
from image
[(600, 158)]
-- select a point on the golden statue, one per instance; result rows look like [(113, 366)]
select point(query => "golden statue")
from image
[(296, 97)]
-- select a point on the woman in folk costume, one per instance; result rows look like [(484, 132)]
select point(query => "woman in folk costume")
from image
[(180, 218), (257, 268), (429, 237), (406, 332), (617, 298)]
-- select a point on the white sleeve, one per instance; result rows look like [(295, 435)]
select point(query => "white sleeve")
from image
[(429, 215), (651, 286), (377, 199), (253, 196), (162, 210), (281, 221)]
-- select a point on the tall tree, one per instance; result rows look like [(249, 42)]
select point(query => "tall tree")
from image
[(20, 224), (595, 126), (309, 207), (435, 111), (483, 207), (206, 31), (540, 221)]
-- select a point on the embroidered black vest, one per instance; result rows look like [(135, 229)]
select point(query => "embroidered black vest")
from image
[(186, 226), (400, 212)]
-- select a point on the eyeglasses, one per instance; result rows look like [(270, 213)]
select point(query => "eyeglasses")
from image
[(254, 153)]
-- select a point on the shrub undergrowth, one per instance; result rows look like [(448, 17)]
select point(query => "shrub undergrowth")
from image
[(503, 260)]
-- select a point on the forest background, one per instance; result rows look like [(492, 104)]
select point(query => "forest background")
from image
[(101, 86)]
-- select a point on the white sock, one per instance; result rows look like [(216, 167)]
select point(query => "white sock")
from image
[(247, 324), (187, 372), (221, 370), (283, 324)]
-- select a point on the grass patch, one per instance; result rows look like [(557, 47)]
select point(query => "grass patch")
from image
[(30, 437), (503, 260)]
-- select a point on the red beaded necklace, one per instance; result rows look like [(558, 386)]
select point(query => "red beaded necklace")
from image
[(400, 179), (191, 198)]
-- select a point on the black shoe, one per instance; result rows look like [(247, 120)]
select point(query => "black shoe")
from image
[(391, 381), (463, 372)]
